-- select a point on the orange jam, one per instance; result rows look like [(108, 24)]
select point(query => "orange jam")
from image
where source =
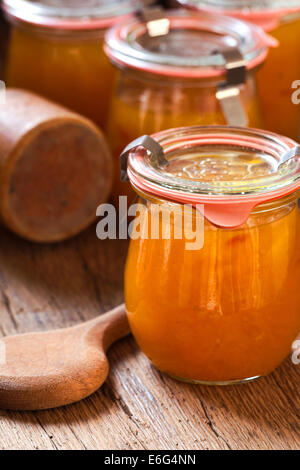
[(228, 310), (145, 107), (173, 80), (281, 19), (72, 72), (56, 53), (281, 69)]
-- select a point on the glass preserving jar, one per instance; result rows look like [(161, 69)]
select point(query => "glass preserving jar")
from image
[(281, 18), (198, 69), (227, 309), (56, 50)]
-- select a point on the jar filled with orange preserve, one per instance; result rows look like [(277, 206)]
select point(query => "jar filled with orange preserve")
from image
[(177, 68), (281, 18), (212, 275), (56, 50)]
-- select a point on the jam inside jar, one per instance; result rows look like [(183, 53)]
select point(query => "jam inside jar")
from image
[(56, 50), (227, 310), (281, 19), (176, 78)]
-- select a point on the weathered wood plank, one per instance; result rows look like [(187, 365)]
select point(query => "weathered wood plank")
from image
[(138, 408)]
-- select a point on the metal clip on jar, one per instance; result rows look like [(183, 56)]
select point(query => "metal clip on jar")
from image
[(280, 18), (229, 310), (56, 50), (179, 68)]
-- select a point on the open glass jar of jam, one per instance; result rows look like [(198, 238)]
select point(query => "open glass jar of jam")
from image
[(56, 50), (182, 69), (275, 79), (227, 309)]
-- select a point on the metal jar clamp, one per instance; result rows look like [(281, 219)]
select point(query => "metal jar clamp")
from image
[(228, 92)]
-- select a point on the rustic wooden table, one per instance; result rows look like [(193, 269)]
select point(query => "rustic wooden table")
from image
[(43, 287), (56, 286)]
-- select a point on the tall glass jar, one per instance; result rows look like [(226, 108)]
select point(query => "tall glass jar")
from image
[(281, 18), (56, 50), (212, 275), (198, 70)]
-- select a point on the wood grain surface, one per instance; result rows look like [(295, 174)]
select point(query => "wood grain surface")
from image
[(56, 286), (43, 287)]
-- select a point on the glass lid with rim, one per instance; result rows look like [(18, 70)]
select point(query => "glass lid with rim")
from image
[(229, 169), (219, 161), (70, 13), (192, 47), (249, 5)]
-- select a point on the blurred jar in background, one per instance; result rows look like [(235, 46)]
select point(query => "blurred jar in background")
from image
[(282, 19), (3, 43), (56, 50), (183, 69)]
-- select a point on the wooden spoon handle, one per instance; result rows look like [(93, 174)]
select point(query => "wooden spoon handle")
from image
[(110, 327)]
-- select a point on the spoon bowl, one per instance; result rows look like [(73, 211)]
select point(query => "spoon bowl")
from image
[(55, 368)]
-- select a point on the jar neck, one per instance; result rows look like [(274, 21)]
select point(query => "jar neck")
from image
[(60, 34), (153, 79), (70, 15), (262, 208)]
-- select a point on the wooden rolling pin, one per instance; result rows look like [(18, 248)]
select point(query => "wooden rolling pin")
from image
[(55, 168)]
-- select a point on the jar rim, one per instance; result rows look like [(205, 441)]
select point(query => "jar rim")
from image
[(229, 201), (265, 13), (249, 6), (129, 45), (96, 14)]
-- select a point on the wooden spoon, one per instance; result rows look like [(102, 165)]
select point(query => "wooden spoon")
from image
[(50, 369)]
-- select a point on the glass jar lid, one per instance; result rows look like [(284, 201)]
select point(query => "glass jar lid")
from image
[(70, 14), (249, 5), (265, 13), (192, 45), (228, 169)]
